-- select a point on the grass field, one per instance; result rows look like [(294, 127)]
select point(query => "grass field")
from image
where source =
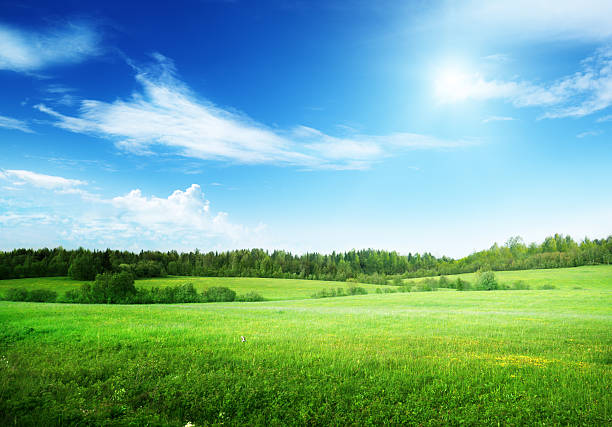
[(432, 358), (271, 289), (586, 277)]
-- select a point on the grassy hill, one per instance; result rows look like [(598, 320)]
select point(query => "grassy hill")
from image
[(272, 289), (586, 277)]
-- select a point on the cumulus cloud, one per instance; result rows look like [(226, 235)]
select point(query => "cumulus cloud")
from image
[(167, 116), (183, 212), (49, 182), (27, 51), (10, 123), (184, 219), (585, 92)]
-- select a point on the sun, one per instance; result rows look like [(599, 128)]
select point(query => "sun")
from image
[(452, 83)]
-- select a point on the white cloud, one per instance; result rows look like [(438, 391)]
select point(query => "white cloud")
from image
[(589, 133), (49, 182), (603, 119), (181, 213), (27, 51), (587, 20), (498, 119), (10, 123), (183, 220), (166, 115), (585, 92)]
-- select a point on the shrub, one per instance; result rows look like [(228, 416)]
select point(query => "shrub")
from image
[(397, 281), (42, 295), (187, 293), (431, 283), (356, 290), (16, 294), (443, 282), (547, 287), (379, 291), (462, 285), (250, 297), (424, 286), (219, 294), (487, 281), (520, 285)]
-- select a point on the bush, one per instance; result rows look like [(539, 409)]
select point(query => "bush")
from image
[(219, 294), (547, 287), (35, 295), (250, 297), (356, 290), (424, 286), (462, 285), (16, 294), (397, 281), (487, 281), (520, 285), (443, 282), (42, 295)]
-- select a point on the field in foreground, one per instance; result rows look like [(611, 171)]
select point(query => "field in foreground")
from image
[(270, 289), (511, 357)]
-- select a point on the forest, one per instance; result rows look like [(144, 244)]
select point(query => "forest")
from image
[(367, 266)]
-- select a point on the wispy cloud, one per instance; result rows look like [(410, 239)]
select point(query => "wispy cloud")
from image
[(498, 57), (603, 119), (49, 182), (585, 92), (498, 119), (28, 51), (589, 133), (10, 123), (166, 116), (587, 20)]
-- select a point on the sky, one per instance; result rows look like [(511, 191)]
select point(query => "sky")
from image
[(439, 126)]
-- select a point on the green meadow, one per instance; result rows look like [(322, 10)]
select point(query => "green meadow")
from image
[(533, 357), (585, 277)]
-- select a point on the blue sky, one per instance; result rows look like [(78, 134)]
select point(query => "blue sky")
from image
[(308, 126)]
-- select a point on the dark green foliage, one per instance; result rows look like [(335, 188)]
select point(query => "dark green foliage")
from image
[(83, 267), (250, 297), (462, 285), (219, 294), (356, 290), (443, 282), (42, 295), (16, 294), (520, 285), (184, 293), (364, 266), (35, 295), (339, 292), (547, 287), (486, 281)]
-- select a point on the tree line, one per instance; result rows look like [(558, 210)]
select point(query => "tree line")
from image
[(367, 266)]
